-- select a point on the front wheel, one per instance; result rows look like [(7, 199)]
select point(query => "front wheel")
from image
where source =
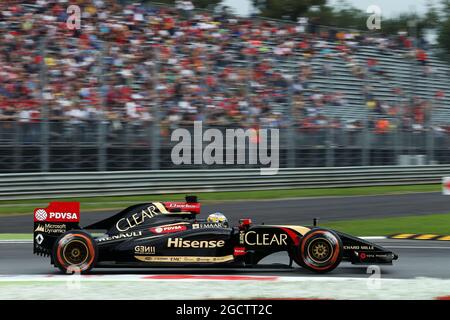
[(320, 250), (75, 252)]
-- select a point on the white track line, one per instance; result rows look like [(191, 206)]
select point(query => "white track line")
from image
[(196, 278), (134, 287), (15, 241), (373, 238)]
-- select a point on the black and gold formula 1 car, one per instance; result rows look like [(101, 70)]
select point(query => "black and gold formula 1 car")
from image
[(168, 234)]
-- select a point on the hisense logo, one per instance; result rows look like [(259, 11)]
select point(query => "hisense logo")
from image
[(181, 243)]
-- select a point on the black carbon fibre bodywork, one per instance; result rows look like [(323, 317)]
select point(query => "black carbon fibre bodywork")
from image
[(161, 234)]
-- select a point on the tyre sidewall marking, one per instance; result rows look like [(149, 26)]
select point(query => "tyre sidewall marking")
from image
[(333, 258), (66, 239)]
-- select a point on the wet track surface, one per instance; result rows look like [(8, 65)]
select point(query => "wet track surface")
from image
[(416, 259), (294, 211)]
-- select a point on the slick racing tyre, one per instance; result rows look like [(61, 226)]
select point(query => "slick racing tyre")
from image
[(320, 250), (75, 252)]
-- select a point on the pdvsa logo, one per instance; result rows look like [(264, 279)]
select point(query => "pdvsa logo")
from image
[(40, 215), (63, 216), (58, 212), (168, 229)]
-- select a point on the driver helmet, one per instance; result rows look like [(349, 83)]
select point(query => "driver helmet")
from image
[(217, 217)]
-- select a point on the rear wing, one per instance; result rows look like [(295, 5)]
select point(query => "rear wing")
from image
[(51, 222)]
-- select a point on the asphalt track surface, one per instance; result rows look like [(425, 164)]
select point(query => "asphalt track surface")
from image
[(291, 211), (417, 258)]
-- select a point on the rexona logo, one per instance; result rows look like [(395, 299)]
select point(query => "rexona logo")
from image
[(181, 243), (59, 212), (144, 250), (168, 229), (264, 239)]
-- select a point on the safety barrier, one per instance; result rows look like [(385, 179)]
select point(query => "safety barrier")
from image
[(90, 184)]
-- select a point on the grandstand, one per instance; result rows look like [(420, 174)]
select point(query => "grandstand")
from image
[(134, 72)]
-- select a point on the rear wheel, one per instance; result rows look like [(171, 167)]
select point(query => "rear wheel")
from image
[(320, 250), (75, 252)]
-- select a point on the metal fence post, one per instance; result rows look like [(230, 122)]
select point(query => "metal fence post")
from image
[(397, 142), (430, 135), (330, 143), (101, 121), (366, 131), (156, 141), (156, 127), (101, 145), (366, 144), (44, 107), (291, 138), (18, 146)]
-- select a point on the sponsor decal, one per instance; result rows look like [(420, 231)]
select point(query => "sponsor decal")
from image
[(39, 238), (185, 259), (241, 237), (51, 228), (168, 229), (358, 247), (125, 224), (207, 225), (264, 239), (40, 215), (63, 216), (366, 255), (58, 212), (144, 250), (239, 251), (183, 206), (120, 236), (181, 243)]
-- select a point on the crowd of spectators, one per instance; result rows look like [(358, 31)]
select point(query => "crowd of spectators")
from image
[(131, 66)]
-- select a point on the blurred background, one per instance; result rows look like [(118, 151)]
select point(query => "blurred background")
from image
[(107, 97)]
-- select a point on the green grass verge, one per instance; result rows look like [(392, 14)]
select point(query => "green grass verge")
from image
[(96, 203), (435, 224), (16, 236)]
